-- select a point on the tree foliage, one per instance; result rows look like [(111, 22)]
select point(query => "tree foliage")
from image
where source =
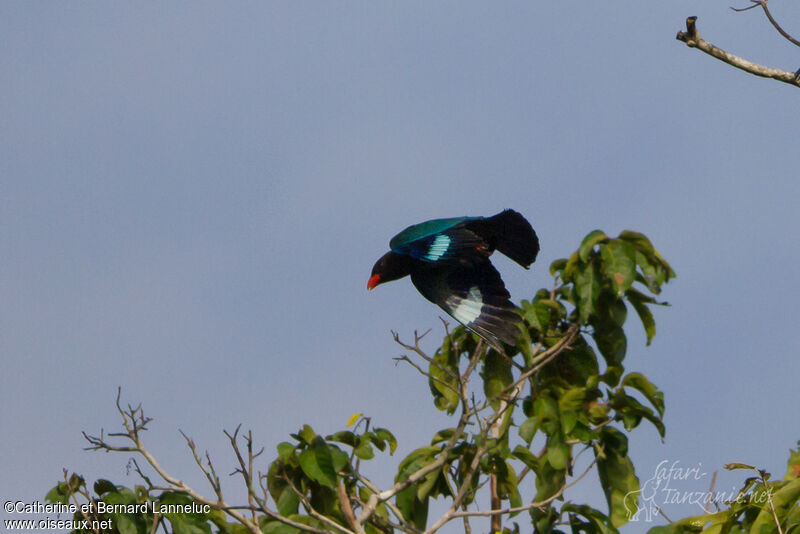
[(527, 425)]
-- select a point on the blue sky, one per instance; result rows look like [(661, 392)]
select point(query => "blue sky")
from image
[(192, 196)]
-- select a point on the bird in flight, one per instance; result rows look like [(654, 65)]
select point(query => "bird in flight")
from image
[(448, 260)]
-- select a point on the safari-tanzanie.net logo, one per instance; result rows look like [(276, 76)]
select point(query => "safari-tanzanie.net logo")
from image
[(673, 484)]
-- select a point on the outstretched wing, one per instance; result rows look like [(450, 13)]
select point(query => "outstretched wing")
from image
[(450, 246), (474, 295), (509, 233)]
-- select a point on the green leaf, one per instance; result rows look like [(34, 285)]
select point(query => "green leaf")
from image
[(646, 316), (443, 435), (587, 286), (443, 384), (783, 501), (650, 273), (597, 519), (317, 463), (545, 409), (608, 333), (276, 527), (124, 523), (587, 245), (557, 265), (582, 433), (569, 268), (619, 264), (571, 399), (616, 473), (612, 375), (556, 310), (344, 436), (737, 465), (496, 375), (415, 460), (569, 418), (184, 523), (426, 484), (507, 484), (285, 450), (364, 450), (103, 486), (58, 494), (576, 365), (388, 437), (537, 315), (525, 456), (557, 452), (612, 343), (640, 383), (339, 457), (528, 429), (548, 480), (414, 510), (305, 435), (288, 502), (639, 241), (633, 411), (793, 465)]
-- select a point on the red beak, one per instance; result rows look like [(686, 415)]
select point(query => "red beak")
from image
[(373, 281)]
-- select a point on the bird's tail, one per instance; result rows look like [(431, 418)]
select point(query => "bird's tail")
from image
[(514, 237)]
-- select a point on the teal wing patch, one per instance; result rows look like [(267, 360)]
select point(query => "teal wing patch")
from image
[(440, 241)]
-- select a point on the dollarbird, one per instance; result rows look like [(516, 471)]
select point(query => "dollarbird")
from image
[(448, 261)]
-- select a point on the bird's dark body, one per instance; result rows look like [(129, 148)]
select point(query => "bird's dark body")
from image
[(448, 260)]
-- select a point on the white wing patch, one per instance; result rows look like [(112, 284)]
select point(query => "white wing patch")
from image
[(437, 249), (468, 308)]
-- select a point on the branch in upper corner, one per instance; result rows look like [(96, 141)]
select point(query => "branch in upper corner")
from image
[(693, 40), (763, 4)]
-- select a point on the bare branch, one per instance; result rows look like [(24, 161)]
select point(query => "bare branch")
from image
[(748, 8), (763, 4), (404, 525), (777, 26), (377, 498), (693, 40), (423, 373), (134, 421), (212, 477), (347, 508), (417, 350)]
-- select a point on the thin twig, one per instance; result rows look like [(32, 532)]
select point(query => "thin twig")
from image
[(711, 492), (134, 421), (763, 4), (771, 505), (404, 525), (409, 361), (421, 353)]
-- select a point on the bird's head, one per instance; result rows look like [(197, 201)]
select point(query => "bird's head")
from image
[(390, 267)]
